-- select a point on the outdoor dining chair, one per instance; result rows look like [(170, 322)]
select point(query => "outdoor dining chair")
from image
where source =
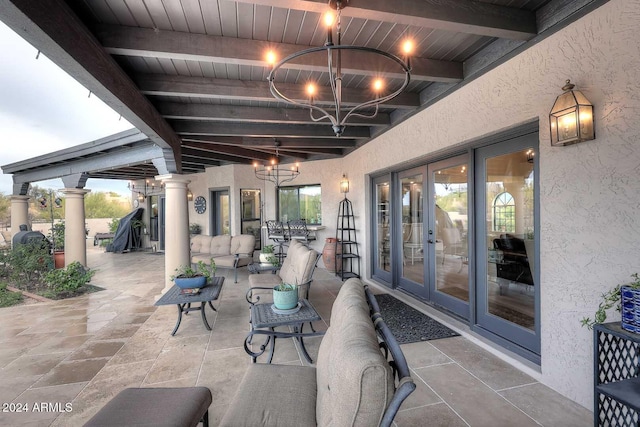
[(298, 231)]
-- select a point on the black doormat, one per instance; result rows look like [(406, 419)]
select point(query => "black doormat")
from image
[(408, 324)]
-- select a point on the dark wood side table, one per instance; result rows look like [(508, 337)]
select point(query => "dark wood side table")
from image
[(209, 293)]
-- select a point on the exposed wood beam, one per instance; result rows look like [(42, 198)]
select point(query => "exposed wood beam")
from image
[(298, 142), (198, 159), (153, 43), (226, 149), (244, 114), (52, 28), (309, 150), (471, 17), (200, 155), (264, 130), (204, 87)]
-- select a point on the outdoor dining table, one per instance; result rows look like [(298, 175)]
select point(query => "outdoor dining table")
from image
[(205, 296)]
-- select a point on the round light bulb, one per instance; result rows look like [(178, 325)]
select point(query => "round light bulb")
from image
[(271, 57), (407, 47), (378, 84), (311, 89), (329, 19)]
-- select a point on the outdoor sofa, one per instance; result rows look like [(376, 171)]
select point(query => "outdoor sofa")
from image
[(226, 251), (353, 383)]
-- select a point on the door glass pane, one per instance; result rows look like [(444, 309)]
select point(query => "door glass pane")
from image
[(509, 198), (383, 235), (250, 214), (413, 253), (452, 226), (224, 223)]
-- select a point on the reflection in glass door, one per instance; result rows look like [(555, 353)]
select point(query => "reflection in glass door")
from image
[(250, 214), (507, 302), (411, 204), (450, 250), (221, 219), (382, 231)]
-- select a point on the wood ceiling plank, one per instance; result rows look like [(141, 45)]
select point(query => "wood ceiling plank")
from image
[(472, 17), (227, 149)]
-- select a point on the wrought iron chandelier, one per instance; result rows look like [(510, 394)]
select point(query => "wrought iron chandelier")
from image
[(337, 114), (276, 173)]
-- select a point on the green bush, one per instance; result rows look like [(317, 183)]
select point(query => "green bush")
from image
[(69, 279), (29, 262), (8, 298)]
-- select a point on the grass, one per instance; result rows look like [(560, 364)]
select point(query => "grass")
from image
[(9, 298)]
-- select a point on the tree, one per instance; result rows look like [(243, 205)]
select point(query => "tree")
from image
[(5, 208), (105, 205)]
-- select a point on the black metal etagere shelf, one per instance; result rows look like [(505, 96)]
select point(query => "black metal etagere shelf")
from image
[(347, 255)]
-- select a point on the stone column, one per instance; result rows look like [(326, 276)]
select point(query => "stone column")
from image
[(19, 213), (75, 241), (176, 242)]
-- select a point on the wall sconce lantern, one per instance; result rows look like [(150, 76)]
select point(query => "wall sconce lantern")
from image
[(571, 118), (344, 184), (189, 195)]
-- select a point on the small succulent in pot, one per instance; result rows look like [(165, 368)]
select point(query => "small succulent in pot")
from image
[(188, 276), (285, 296)]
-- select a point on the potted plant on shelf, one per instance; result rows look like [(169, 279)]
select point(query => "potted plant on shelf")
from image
[(266, 253), (626, 299), (57, 240), (189, 277), (195, 228), (285, 296)]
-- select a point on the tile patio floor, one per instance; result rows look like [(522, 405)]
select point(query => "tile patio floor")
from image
[(85, 350)]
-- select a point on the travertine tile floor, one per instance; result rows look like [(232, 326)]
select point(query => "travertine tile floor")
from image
[(64, 360)]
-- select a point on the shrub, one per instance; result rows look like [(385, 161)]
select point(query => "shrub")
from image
[(8, 298), (69, 279), (29, 262)]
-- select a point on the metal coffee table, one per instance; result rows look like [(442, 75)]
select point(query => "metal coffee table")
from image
[(264, 321), (209, 293)]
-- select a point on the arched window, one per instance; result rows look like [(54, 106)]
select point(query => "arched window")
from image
[(504, 213)]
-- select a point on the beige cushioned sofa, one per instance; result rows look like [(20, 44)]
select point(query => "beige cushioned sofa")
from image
[(227, 251)]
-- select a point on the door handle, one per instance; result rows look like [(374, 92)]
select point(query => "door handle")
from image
[(430, 241)]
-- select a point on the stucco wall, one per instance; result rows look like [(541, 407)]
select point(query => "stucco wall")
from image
[(589, 192)]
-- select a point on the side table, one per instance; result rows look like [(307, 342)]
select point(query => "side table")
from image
[(264, 321), (209, 293), (257, 268)]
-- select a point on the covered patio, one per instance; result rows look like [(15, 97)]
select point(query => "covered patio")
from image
[(84, 350), (447, 179)]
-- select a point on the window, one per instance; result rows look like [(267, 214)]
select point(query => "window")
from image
[(300, 202), (504, 213)]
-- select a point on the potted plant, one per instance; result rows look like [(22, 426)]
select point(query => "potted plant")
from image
[(195, 228), (57, 240), (266, 252), (626, 299), (285, 296), (189, 277)]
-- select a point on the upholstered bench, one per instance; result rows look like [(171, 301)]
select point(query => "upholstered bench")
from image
[(353, 383), (158, 407)]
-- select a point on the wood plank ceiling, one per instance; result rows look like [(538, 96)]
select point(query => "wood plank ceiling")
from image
[(198, 65)]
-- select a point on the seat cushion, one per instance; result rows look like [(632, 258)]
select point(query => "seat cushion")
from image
[(154, 407), (355, 381), (298, 265), (274, 395), (224, 261), (242, 244), (200, 244)]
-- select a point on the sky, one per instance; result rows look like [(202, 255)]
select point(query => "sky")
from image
[(43, 109)]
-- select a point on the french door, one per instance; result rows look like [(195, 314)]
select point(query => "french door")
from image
[(507, 286), (461, 233)]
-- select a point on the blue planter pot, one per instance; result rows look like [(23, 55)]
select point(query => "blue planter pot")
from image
[(285, 300), (190, 282), (630, 309)]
